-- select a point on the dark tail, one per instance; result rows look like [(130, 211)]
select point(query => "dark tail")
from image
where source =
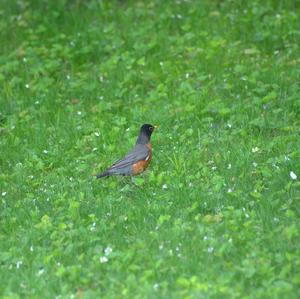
[(102, 175)]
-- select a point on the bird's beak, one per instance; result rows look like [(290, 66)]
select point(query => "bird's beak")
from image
[(155, 127)]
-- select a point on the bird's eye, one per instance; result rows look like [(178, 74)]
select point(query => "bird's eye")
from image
[(151, 129)]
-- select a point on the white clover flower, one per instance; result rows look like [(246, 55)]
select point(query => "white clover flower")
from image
[(19, 264), (107, 251), (93, 227), (293, 175), (79, 112), (229, 166), (97, 134), (165, 186), (3, 193), (155, 286), (210, 249), (103, 259), (255, 149), (27, 85), (45, 152)]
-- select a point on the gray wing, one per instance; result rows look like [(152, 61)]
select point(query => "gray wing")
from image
[(124, 166)]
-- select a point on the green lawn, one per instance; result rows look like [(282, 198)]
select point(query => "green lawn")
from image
[(217, 213)]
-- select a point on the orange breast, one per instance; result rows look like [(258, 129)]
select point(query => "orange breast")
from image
[(141, 165)]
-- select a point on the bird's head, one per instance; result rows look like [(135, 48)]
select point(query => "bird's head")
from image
[(147, 129), (145, 133)]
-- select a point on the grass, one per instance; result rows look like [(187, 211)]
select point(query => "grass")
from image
[(217, 213)]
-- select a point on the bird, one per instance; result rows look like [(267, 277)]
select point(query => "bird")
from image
[(137, 160)]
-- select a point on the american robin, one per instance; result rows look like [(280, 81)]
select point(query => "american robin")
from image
[(137, 160)]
